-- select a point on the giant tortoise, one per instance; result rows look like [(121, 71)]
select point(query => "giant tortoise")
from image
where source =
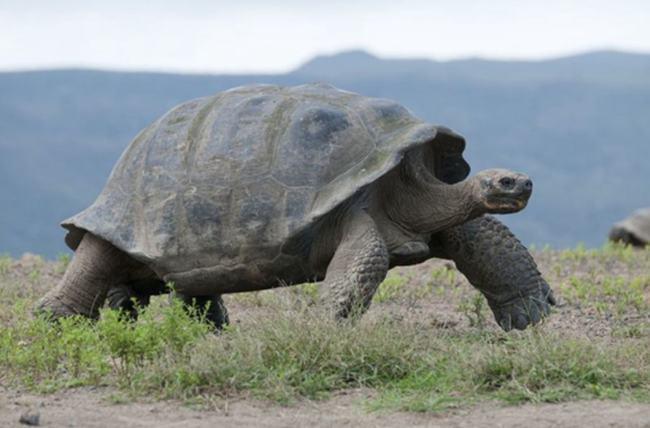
[(634, 230), (262, 185)]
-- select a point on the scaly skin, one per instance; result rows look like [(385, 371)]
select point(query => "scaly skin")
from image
[(497, 264), (359, 265), (96, 267)]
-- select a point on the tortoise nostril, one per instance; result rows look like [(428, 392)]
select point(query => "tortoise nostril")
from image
[(528, 185), (507, 182)]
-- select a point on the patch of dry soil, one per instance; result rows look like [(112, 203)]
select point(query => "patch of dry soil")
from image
[(92, 409)]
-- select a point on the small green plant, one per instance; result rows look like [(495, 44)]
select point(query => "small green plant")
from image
[(632, 331), (473, 308), (280, 349), (608, 294), (63, 260), (579, 253), (579, 289), (34, 276), (539, 369), (75, 351), (617, 250), (391, 288), (308, 291), (5, 263), (445, 275)]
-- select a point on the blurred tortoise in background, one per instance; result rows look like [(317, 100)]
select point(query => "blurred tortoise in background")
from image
[(262, 186), (634, 230)]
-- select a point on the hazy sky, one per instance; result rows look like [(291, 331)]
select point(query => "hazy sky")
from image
[(272, 36)]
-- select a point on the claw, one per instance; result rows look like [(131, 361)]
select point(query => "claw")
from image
[(524, 310), (520, 322), (506, 323), (535, 316)]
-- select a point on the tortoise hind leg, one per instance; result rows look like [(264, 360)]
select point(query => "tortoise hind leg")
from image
[(96, 265)]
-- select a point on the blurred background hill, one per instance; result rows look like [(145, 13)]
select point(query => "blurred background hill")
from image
[(579, 125)]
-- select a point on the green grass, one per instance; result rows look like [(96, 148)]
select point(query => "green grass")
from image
[(5, 264), (474, 307), (614, 279), (393, 286), (296, 353), (281, 348), (400, 287), (527, 367)]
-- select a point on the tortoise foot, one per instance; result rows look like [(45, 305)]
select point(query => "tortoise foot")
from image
[(53, 307), (520, 311)]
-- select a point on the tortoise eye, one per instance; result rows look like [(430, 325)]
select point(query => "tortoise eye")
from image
[(507, 182)]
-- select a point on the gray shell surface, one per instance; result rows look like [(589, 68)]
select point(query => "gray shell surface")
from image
[(637, 225), (223, 182)]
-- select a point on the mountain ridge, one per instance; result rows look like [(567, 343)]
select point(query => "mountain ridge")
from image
[(588, 65)]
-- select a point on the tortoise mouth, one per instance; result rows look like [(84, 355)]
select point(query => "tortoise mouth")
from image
[(502, 204)]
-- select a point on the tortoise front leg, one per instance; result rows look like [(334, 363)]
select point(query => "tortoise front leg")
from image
[(496, 263), (359, 265)]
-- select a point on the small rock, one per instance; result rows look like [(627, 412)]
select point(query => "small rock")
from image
[(31, 418)]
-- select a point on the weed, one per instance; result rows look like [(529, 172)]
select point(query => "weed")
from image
[(578, 253), (445, 275), (473, 308), (63, 260), (548, 369), (5, 264), (391, 288), (307, 292), (283, 350), (34, 276)]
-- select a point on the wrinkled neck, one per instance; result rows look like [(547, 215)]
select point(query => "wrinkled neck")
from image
[(426, 208)]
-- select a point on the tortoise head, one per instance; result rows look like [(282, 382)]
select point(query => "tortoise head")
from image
[(501, 191), (429, 191)]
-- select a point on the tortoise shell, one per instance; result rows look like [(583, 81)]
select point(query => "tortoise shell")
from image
[(633, 230), (228, 181)]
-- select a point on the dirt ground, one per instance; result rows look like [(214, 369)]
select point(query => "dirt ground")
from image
[(92, 408)]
